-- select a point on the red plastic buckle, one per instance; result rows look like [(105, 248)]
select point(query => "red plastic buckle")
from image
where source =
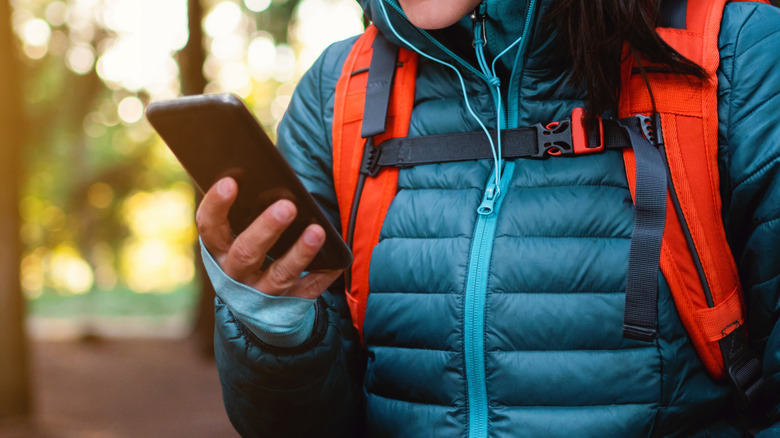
[(579, 135)]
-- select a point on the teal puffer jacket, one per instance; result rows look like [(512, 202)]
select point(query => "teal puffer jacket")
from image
[(511, 324)]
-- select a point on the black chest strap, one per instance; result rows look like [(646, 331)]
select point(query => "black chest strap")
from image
[(562, 138)]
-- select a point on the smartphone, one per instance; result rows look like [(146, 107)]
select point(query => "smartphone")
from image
[(214, 136)]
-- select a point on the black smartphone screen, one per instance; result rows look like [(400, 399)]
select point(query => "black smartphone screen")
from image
[(214, 136)]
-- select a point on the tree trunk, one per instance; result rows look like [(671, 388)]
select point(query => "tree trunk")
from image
[(15, 397), (193, 55), (191, 59)]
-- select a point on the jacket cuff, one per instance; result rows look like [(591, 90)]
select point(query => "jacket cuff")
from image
[(278, 321)]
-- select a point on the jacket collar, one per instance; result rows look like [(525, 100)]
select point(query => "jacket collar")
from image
[(504, 24)]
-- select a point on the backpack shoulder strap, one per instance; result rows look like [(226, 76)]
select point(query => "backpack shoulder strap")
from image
[(695, 256), (373, 102)]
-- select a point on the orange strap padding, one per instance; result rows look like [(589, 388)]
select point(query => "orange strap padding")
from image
[(378, 192), (689, 120)]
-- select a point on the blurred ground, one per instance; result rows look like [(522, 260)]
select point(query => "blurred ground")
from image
[(123, 388)]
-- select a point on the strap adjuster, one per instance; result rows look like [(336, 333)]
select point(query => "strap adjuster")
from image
[(651, 128), (370, 162), (742, 364), (567, 137), (580, 136)]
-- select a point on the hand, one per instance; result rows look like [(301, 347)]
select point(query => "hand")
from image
[(242, 257)]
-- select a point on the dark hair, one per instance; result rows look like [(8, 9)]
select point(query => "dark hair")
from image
[(593, 32)]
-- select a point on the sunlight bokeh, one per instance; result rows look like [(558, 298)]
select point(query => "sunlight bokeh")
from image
[(318, 23), (158, 257), (107, 206)]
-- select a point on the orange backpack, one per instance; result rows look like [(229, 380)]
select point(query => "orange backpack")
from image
[(693, 252)]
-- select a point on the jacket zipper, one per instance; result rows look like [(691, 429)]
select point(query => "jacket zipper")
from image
[(476, 293), (481, 250)]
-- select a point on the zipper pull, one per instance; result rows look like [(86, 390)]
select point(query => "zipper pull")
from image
[(478, 21), (488, 201)]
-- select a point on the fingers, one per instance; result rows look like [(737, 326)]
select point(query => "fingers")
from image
[(286, 271), (242, 257), (283, 277), (212, 216), (314, 284), (247, 253)]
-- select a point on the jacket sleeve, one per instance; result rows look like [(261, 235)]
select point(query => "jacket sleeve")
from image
[(313, 389), (749, 111), (276, 320)]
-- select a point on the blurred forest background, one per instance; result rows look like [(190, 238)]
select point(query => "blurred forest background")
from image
[(93, 207), (106, 211)]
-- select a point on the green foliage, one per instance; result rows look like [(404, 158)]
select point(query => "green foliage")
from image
[(99, 183), (118, 302), (82, 161)]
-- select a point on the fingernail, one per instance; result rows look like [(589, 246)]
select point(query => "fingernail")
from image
[(283, 212), (223, 187), (312, 237)]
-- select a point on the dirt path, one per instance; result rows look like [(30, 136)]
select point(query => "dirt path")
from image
[(123, 388)]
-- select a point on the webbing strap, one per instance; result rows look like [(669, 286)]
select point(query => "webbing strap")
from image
[(673, 13), (525, 142), (380, 83), (645, 251), (742, 364)]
